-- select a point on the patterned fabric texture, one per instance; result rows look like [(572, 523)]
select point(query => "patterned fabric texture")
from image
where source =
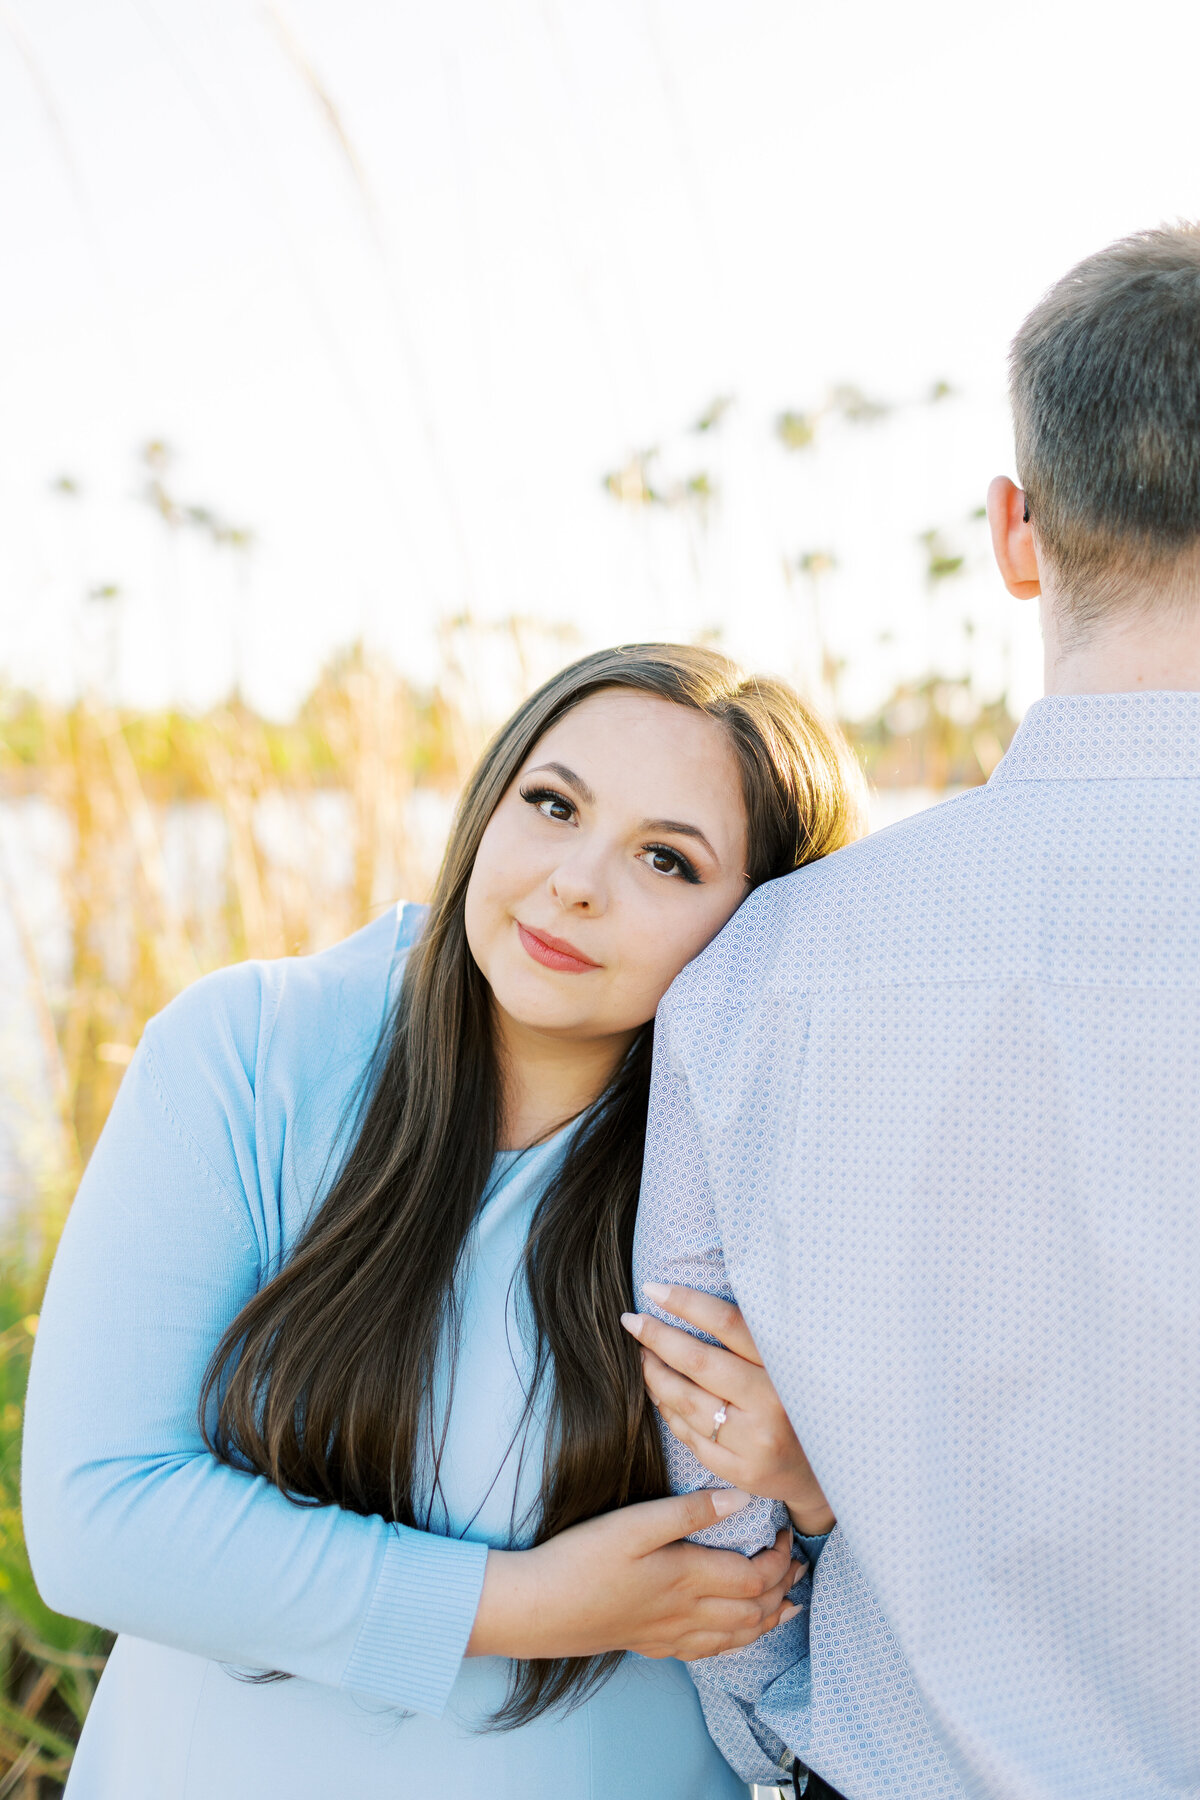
[(928, 1111)]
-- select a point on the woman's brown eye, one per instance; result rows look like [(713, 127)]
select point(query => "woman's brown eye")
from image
[(549, 804), (670, 862)]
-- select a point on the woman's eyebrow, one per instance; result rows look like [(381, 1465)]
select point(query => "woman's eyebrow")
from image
[(681, 830), (564, 774)]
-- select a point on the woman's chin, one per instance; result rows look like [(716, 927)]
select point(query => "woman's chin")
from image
[(548, 1020)]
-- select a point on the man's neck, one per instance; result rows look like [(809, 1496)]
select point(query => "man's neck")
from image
[(1138, 654)]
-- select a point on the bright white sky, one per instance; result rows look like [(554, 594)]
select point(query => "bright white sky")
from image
[(551, 233)]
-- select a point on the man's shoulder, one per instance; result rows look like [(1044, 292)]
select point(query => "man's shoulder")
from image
[(853, 910)]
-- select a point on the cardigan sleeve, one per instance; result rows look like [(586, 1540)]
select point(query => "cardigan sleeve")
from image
[(130, 1522)]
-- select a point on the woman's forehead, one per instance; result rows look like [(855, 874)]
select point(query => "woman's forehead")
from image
[(652, 755), (620, 722)]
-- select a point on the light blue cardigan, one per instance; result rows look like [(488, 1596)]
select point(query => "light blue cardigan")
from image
[(203, 1177), (224, 1133)]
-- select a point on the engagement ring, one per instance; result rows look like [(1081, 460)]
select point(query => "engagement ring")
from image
[(719, 1418)]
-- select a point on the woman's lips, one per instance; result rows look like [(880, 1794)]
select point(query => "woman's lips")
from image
[(553, 952)]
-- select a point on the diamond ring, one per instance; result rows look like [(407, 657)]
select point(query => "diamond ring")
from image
[(719, 1418)]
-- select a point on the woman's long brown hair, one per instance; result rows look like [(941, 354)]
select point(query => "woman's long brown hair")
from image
[(324, 1382)]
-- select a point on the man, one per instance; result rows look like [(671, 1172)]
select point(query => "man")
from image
[(928, 1111)]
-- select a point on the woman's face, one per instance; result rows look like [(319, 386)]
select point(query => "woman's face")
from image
[(618, 852)]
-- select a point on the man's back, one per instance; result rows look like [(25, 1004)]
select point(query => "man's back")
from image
[(945, 1087)]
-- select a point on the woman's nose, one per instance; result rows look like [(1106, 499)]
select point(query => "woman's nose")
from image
[(577, 884)]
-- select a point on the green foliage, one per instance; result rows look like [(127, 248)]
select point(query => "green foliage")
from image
[(941, 560), (637, 484), (796, 430), (713, 413), (48, 1664), (158, 460)]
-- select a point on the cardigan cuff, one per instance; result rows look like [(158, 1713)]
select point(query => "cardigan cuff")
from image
[(415, 1632), (813, 1546)]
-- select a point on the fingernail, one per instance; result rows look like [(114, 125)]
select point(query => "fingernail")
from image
[(789, 1612), (657, 1290), (632, 1323), (729, 1500)]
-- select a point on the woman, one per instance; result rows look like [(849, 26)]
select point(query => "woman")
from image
[(332, 1415)]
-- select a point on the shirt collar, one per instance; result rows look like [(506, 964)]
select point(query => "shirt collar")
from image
[(1105, 737)]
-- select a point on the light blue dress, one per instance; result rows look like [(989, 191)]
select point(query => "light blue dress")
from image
[(221, 1136)]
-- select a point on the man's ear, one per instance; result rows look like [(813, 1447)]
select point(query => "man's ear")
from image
[(1012, 539)]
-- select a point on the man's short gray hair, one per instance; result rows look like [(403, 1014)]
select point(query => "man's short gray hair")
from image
[(1105, 387)]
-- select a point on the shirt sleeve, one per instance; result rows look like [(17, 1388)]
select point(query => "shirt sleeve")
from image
[(678, 1240), (130, 1521)]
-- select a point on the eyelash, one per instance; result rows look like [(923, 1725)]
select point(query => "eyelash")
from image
[(537, 796)]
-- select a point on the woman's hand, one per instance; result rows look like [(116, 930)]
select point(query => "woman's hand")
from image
[(624, 1581), (689, 1382)]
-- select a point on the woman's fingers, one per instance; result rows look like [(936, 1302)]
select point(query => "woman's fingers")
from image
[(681, 1402), (736, 1616), (696, 1645), (713, 1643), (688, 1413), (713, 1634), (651, 1525), (720, 1319), (734, 1598), (722, 1576), (732, 1616), (669, 1388), (777, 1557), (717, 1371), (773, 1597), (713, 1574)]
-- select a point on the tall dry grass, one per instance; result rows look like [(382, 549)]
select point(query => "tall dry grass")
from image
[(191, 842)]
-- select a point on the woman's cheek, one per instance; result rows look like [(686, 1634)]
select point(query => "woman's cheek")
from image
[(643, 988), (685, 948)]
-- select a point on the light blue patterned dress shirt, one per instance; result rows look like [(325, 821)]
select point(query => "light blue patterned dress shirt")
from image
[(928, 1109)]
